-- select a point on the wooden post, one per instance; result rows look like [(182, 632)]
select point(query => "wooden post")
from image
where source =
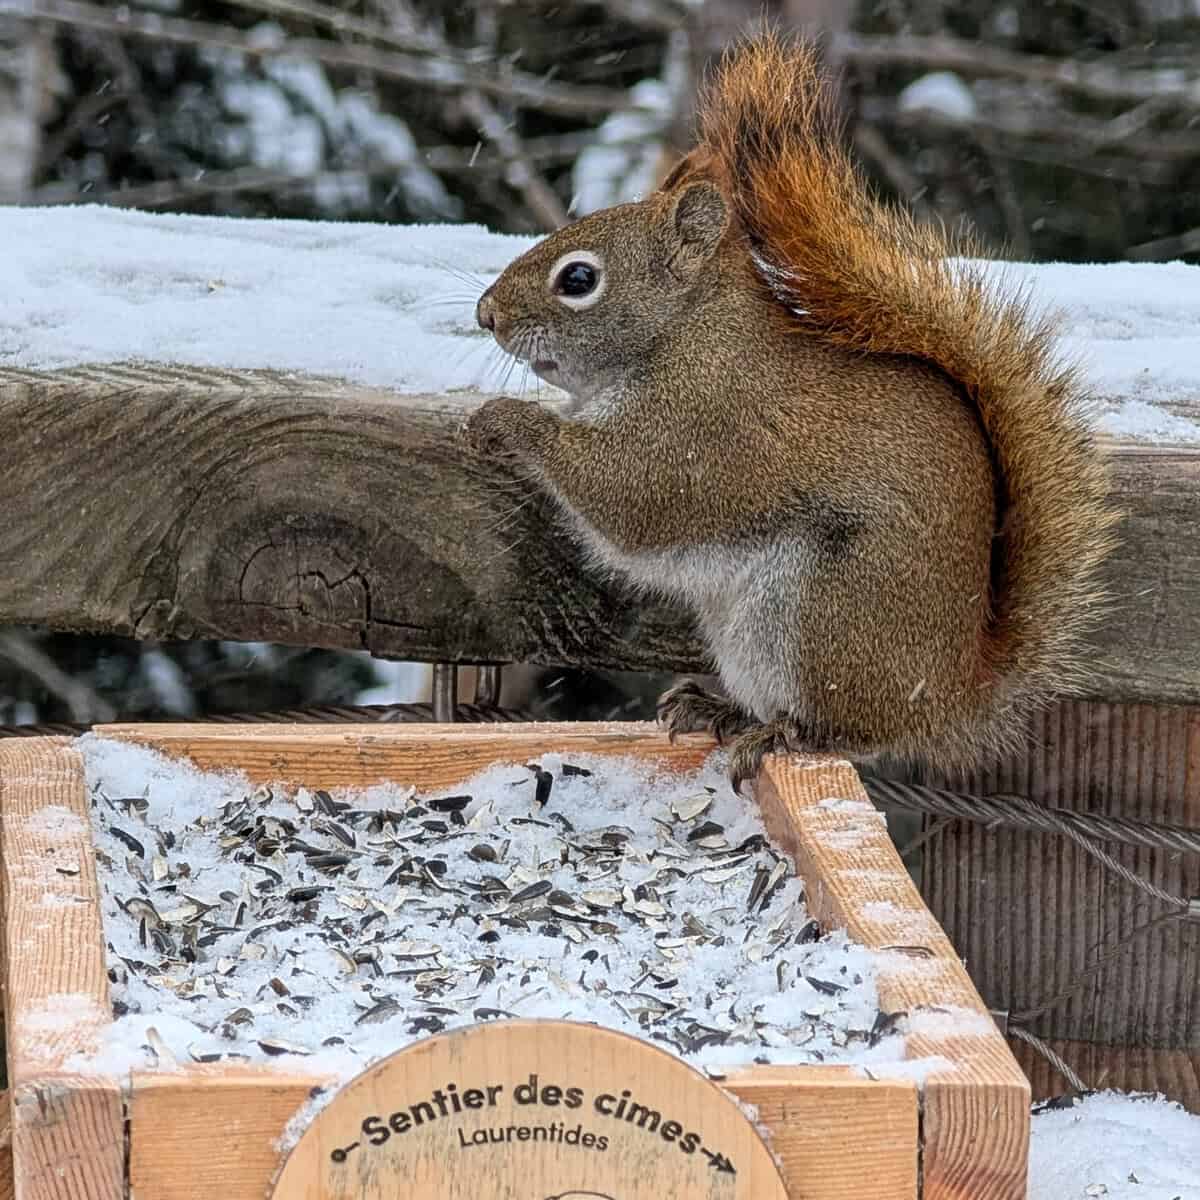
[(975, 1102), (255, 506), (68, 1127), (1033, 914)]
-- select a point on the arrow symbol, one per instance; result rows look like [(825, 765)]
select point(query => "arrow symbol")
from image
[(718, 1161)]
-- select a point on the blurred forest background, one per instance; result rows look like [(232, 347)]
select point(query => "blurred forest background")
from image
[(1057, 129)]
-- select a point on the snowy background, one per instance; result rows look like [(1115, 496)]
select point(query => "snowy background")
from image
[(394, 306), (1065, 132)]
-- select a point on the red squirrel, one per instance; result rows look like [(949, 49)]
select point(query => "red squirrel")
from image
[(845, 446)]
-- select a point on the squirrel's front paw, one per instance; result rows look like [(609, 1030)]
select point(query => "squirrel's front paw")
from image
[(505, 425)]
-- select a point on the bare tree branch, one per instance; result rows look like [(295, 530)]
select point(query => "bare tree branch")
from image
[(344, 23), (1165, 249), (1083, 135), (174, 191), (658, 16), (1097, 81), (1101, 166), (1008, 198), (539, 195), (444, 75), (1135, 120), (872, 145), (85, 706), (84, 114), (24, 67), (445, 160), (521, 174)]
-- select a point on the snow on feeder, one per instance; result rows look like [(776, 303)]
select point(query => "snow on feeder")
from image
[(193, 959)]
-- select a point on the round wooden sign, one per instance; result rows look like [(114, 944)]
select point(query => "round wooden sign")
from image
[(530, 1110)]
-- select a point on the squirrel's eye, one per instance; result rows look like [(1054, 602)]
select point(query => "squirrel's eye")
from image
[(576, 279)]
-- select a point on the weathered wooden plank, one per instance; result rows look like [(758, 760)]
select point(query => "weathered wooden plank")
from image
[(1044, 926), (180, 503), (7, 1186), (426, 756), (837, 1135), (68, 1128), (249, 506), (975, 1109)]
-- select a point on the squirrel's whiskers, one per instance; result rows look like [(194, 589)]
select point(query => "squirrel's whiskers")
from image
[(472, 280)]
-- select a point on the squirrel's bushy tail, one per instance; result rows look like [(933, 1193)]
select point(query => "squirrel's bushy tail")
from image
[(866, 275)]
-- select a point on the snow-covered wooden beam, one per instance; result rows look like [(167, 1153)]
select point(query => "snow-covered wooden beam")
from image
[(295, 473)]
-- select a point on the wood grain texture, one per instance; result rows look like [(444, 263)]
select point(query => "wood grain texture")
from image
[(975, 1112), (1174, 1073), (824, 1121), (255, 506), (426, 756), (837, 1135), (823, 1126), (1031, 913), (68, 1129), (211, 1130), (7, 1186), (640, 1159)]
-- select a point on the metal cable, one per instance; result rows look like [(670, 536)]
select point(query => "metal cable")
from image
[(1113, 953), (926, 835), (1016, 810), (1054, 1059), (326, 714), (1106, 860), (1025, 814)]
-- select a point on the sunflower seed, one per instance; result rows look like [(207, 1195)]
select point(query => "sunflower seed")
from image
[(411, 910)]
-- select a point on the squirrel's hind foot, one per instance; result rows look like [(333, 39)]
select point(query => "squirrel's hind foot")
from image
[(784, 735), (688, 708)]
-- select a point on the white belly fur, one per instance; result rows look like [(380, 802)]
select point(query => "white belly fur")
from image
[(736, 595)]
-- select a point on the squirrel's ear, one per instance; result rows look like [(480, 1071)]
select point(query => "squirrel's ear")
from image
[(698, 220)]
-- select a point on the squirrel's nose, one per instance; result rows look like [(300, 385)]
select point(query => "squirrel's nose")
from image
[(484, 313)]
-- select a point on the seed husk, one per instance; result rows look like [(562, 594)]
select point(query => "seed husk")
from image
[(313, 864)]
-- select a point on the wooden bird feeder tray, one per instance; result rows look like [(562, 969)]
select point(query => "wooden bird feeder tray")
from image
[(957, 1132)]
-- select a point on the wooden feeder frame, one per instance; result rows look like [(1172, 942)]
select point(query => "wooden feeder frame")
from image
[(958, 1132)]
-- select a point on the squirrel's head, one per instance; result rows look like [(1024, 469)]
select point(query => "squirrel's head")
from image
[(586, 305)]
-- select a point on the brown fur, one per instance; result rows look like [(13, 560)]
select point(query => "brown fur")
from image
[(858, 463), (868, 277)]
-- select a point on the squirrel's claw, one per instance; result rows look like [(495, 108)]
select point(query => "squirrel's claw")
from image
[(688, 708), (485, 430), (785, 735), (745, 760)]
